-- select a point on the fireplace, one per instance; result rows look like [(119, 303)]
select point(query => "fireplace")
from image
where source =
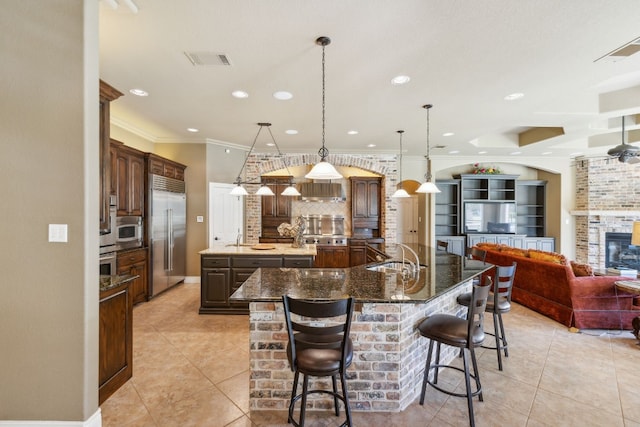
[(620, 252)]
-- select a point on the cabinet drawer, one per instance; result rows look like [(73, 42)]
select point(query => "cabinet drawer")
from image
[(257, 262), (215, 262), (128, 258), (298, 262)]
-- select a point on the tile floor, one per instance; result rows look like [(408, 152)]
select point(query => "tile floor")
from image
[(192, 370)]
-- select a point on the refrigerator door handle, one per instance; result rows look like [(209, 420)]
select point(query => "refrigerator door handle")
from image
[(170, 239)]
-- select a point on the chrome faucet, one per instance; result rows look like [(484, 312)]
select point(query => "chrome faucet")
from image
[(413, 270), (238, 237)]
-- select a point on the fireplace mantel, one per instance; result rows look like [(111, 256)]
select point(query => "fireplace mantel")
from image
[(604, 213)]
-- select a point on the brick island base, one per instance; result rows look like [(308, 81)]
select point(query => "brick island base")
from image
[(389, 355)]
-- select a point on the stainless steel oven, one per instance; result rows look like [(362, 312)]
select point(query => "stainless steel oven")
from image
[(108, 264), (108, 239)]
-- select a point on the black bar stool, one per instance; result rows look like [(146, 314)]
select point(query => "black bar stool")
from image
[(497, 304), (465, 334), (319, 349)]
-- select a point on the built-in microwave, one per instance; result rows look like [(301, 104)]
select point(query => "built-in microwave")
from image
[(108, 264), (128, 231)]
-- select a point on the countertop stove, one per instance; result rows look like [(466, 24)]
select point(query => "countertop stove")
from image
[(326, 240)]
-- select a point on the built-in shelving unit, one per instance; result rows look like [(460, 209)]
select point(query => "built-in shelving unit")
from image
[(531, 207), (447, 222)]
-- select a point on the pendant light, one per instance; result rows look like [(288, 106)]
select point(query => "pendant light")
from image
[(427, 186), (239, 190), (323, 169), (291, 190), (624, 152), (400, 192)]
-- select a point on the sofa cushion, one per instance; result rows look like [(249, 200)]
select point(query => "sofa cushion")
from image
[(489, 246), (548, 256), (580, 269), (515, 251)]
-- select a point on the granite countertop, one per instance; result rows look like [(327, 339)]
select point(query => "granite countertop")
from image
[(110, 282), (246, 249), (440, 272)]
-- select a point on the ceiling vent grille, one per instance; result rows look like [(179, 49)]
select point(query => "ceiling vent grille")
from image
[(208, 58)]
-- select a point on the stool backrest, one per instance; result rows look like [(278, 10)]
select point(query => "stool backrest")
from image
[(476, 253), (477, 306), (504, 282), (306, 331), (442, 245)]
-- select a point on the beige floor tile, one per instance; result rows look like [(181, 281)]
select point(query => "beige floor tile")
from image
[(550, 408), (125, 408), (236, 388)]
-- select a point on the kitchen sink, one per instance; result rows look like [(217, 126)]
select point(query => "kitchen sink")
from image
[(389, 267)]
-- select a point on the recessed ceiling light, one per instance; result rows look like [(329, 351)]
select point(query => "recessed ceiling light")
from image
[(282, 95), (270, 144), (546, 153), (371, 145), (482, 152), (226, 150), (193, 130), (239, 94), (515, 153), (448, 134), (454, 151), (400, 80), (514, 96), (139, 92), (352, 132), (291, 132)]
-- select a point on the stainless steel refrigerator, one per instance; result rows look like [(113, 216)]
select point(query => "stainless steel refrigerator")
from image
[(167, 232)]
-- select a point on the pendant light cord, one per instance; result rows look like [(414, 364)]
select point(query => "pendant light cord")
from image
[(323, 151), (427, 176), (400, 168)]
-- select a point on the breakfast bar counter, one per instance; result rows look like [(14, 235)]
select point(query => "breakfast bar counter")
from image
[(389, 354)]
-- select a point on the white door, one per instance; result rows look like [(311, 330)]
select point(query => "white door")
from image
[(226, 214), (408, 220)]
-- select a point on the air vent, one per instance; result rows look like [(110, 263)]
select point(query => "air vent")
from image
[(622, 52), (208, 58)]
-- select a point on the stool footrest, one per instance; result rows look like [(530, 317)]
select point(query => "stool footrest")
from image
[(299, 396), (449, 392)]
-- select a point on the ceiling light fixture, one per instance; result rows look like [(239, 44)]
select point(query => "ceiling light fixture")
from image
[(291, 190), (624, 152), (400, 80), (323, 169), (240, 94), (282, 95), (352, 132), (239, 190), (427, 186), (139, 92), (400, 192), (194, 130), (513, 96)]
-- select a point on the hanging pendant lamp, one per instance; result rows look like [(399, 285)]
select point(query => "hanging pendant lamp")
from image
[(427, 186), (400, 192), (239, 190), (323, 169), (624, 152), (291, 190)]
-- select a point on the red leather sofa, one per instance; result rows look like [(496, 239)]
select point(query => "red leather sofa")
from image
[(545, 282)]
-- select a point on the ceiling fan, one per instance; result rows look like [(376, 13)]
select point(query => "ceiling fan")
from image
[(626, 153)]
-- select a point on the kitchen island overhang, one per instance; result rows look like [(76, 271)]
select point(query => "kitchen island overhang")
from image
[(389, 353)]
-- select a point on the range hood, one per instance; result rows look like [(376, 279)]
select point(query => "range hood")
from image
[(321, 192)]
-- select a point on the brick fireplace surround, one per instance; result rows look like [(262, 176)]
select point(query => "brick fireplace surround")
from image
[(607, 200)]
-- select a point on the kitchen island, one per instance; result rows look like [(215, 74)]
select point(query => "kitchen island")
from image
[(225, 267), (389, 354)]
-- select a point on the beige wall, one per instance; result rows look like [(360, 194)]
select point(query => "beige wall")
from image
[(49, 169)]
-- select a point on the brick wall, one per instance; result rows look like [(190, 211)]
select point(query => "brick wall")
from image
[(607, 200)]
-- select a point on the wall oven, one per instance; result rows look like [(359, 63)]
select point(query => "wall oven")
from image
[(128, 232), (108, 264)]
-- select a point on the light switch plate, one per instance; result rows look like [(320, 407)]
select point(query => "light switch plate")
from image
[(58, 233), (199, 218)]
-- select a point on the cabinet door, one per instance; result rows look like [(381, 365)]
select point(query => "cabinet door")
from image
[(121, 182), (357, 255), (135, 263), (239, 276), (365, 196), (135, 185), (332, 257), (215, 287)]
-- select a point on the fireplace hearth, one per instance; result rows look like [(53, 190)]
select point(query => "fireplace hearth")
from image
[(620, 253)]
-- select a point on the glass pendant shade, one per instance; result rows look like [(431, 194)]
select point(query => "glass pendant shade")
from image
[(323, 170), (264, 191), (290, 191), (428, 187), (239, 191), (401, 192)]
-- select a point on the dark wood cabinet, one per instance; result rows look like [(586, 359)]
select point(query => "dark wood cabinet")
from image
[(222, 275), (134, 262), (107, 94), (275, 209), (115, 340), (366, 196), (357, 252), (332, 257), (128, 179), (158, 165)]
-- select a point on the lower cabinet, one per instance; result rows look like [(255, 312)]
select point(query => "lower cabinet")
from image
[(332, 257), (547, 244), (357, 252), (134, 262), (514, 240), (221, 276), (115, 340)]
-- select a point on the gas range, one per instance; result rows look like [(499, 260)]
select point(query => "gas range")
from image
[(326, 240)]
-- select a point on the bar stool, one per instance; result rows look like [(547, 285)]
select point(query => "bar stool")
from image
[(319, 349), (442, 245), (475, 253), (497, 304), (465, 334)]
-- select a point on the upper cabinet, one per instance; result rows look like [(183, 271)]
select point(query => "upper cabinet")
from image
[(160, 166), (275, 209), (127, 179), (107, 94), (366, 196), (496, 188)]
